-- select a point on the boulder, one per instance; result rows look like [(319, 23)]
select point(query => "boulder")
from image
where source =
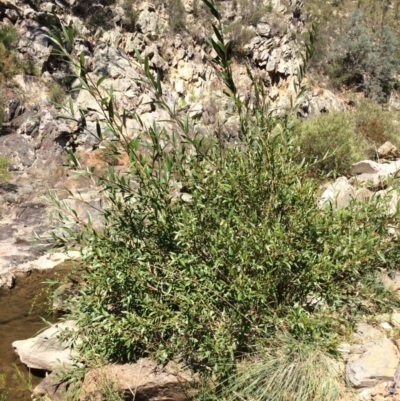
[(374, 358), (7, 280), (51, 388), (395, 319), (388, 151), (365, 167), (46, 351), (321, 101), (338, 194), (143, 380)]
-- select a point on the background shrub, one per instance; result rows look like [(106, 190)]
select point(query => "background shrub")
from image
[(332, 133), (376, 125), (177, 15), (57, 93), (348, 137), (367, 59), (130, 15)]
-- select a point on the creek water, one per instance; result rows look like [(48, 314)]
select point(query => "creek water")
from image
[(21, 310)]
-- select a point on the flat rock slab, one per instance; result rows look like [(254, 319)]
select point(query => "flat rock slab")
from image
[(45, 351), (374, 358), (144, 380)]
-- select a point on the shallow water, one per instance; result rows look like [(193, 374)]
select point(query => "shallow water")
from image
[(21, 310)]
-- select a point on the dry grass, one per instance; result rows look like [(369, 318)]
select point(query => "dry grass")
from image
[(297, 373)]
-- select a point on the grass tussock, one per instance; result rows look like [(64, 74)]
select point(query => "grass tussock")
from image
[(300, 373)]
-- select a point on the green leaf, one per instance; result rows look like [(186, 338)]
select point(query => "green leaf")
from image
[(213, 10)]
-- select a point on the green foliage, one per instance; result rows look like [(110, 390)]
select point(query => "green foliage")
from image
[(251, 12), (97, 14), (177, 16), (347, 137), (333, 134), (57, 93), (9, 64), (4, 390), (8, 36), (376, 125), (130, 15), (367, 59), (357, 44), (208, 251), (4, 164)]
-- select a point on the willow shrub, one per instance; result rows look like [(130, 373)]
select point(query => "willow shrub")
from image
[(206, 251)]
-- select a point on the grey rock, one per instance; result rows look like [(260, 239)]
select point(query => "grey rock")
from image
[(19, 149), (7, 280), (33, 42), (48, 7), (51, 388), (45, 351), (12, 15), (263, 29), (395, 319), (376, 364), (365, 167), (108, 60), (338, 194), (322, 101), (273, 60), (388, 151)]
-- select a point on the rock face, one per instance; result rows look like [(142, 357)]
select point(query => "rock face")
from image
[(374, 359), (144, 380), (45, 352)]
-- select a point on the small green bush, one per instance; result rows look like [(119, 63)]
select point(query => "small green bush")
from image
[(376, 125), (251, 11), (4, 165), (239, 35), (8, 36), (57, 93), (208, 252), (130, 15), (9, 64), (347, 137), (177, 15), (4, 390), (333, 134)]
